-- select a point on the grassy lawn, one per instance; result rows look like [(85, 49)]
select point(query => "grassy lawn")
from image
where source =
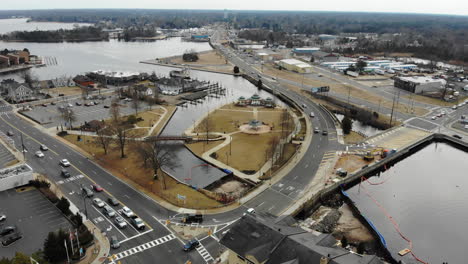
[(136, 132), (170, 110), (225, 120), (247, 151), (201, 147), (288, 152), (343, 89), (205, 58), (353, 137), (131, 170), (72, 90)]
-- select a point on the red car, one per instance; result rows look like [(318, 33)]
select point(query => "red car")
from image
[(97, 188)]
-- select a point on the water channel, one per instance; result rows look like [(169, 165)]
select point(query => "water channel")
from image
[(426, 194), (358, 126)]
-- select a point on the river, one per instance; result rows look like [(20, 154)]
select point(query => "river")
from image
[(426, 194), (21, 24)]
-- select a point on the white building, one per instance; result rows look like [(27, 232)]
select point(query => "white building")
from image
[(419, 84), (295, 65), (15, 176)]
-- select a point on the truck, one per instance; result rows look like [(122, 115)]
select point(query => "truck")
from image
[(380, 72), (352, 73)]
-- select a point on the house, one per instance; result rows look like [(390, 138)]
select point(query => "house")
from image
[(83, 81), (14, 59), (4, 61), (19, 92), (143, 90), (63, 82), (257, 238)]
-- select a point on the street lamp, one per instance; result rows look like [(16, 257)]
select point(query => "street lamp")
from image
[(84, 201)]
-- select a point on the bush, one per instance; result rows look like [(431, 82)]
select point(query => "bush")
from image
[(346, 125), (236, 70), (39, 184), (62, 133), (64, 206), (190, 57), (77, 220), (132, 119)]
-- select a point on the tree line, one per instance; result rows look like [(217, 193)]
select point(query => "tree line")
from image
[(77, 34)]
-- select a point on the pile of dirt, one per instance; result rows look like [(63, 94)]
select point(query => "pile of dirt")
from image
[(328, 222)]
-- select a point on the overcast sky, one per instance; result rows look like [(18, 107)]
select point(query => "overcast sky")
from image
[(458, 7)]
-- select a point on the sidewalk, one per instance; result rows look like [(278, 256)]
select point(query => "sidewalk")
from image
[(99, 252)]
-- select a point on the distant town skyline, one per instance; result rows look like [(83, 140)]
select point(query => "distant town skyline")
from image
[(451, 7)]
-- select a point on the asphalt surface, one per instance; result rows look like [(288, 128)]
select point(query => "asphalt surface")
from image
[(34, 216)]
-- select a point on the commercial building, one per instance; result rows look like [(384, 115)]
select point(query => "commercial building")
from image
[(295, 65), (419, 84), (268, 240), (267, 55), (15, 176), (304, 51)]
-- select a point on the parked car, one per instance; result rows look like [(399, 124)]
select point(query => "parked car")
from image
[(434, 117), (43, 148), (304, 106), (39, 154), (114, 242), (7, 230), (120, 222), (191, 245), (324, 132), (97, 188), (44, 105), (65, 162), (127, 212), (112, 201), (457, 136), (53, 103), (250, 211), (10, 133), (87, 192), (137, 222), (109, 211), (78, 103), (65, 173), (312, 114), (106, 106), (2, 217), (98, 202)]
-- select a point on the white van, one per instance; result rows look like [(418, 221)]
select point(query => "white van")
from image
[(312, 114)]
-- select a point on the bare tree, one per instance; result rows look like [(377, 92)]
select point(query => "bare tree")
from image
[(156, 156), (206, 125), (118, 130), (28, 78), (135, 102), (103, 138), (115, 111), (271, 150), (67, 115)]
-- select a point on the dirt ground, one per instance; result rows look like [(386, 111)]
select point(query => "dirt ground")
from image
[(189, 232), (232, 188), (131, 170), (351, 227), (430, 100), (351, 163)]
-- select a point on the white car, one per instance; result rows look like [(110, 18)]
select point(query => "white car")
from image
[(98, 202), (2, 217), (454, 107), (250, 211), (434, 117), (65, 162), (39, 154), (120, 222), (127, 212)]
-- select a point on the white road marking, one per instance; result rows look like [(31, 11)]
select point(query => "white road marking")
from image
[(141, 248)]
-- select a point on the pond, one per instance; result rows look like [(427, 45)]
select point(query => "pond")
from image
[(426, 195), (358, 126)]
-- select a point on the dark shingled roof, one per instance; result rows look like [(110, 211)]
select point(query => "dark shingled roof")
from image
[(275, 241)]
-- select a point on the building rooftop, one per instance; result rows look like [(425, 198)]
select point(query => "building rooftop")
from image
[(273, 240), (295, 62), (422, 79), (116, 74)]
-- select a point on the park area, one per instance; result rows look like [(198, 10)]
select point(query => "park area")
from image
[(248, 151)]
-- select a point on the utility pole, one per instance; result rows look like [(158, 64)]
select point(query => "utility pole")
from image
[(395, 98), (349, 95)]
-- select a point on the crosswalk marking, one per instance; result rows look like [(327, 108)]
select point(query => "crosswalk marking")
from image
[(141, 248), (204, 253)]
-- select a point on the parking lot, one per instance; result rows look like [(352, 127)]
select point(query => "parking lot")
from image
[(49, 115), (34, 217)]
